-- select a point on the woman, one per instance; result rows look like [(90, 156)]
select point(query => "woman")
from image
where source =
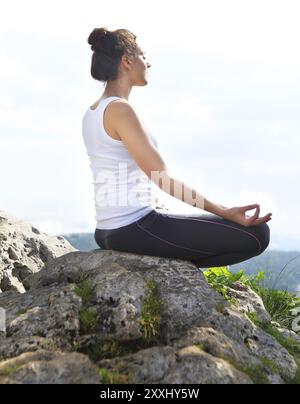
[(126, 165)]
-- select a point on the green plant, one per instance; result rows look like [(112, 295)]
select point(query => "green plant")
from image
[(151, 312), (221, 279), (270, 364), (85, 291), (255, 372), (290, 344), (109, 377), (88, 320), (279, 304)]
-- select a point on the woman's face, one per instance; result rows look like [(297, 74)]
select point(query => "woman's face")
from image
[(140, 66)]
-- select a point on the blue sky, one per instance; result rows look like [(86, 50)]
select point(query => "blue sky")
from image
[(223, 100)]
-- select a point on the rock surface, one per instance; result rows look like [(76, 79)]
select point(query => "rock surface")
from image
[(24, 250), (138, 319), (44, 367)]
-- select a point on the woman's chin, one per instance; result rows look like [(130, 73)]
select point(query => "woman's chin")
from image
[(143, 82)]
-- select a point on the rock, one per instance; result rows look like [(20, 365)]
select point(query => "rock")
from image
[(24, 250), (43, 367), (120, 285), (217, 344), (189, 365), (140, 319), (51, 314), (289, 334), (260, 344), (191, 312), (248, 301)]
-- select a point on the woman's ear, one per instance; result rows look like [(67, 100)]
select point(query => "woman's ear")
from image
[(126, 59)]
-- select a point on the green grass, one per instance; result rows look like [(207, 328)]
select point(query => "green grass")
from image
[(270, 364), (110, 377), (278, 303), (88, 321), (151, 312), (85, 291), (221, 279), (256, 373)]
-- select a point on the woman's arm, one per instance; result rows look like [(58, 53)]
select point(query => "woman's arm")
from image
[(138, 143), (185, 193), (189, 195)]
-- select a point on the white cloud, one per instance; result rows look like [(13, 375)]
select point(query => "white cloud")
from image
[(13, 68)]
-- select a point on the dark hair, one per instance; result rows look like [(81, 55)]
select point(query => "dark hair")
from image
[(109, 47)]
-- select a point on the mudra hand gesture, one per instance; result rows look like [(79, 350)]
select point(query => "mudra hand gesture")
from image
[(238, 215)]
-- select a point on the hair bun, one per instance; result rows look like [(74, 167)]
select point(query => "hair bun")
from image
[(96, 35)]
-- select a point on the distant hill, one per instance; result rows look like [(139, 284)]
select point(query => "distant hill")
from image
[(82, 241), (282, 268), (272, 262)]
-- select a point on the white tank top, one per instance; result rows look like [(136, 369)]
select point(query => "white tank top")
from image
[(122, 191)]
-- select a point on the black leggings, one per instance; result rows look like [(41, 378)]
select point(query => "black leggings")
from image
[(207, 240)]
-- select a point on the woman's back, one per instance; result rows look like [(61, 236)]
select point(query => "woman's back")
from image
[(123, 193)]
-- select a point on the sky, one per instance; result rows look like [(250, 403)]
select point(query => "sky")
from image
[(223, 100)]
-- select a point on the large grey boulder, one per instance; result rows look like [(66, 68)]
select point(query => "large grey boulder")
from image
[(188, 365), (139, 319), (25, 250), (46, 367), (197, 327)]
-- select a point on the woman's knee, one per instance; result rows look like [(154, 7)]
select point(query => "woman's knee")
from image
[(263, 234)]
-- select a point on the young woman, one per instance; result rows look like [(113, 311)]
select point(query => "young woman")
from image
[(126, 166)]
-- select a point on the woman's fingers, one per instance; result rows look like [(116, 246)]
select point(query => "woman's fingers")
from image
[(255, 219), (252, 219), (249, 207), (256, 215), (263, 220)]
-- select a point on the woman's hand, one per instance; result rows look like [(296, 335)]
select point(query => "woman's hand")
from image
[(238, 215)]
